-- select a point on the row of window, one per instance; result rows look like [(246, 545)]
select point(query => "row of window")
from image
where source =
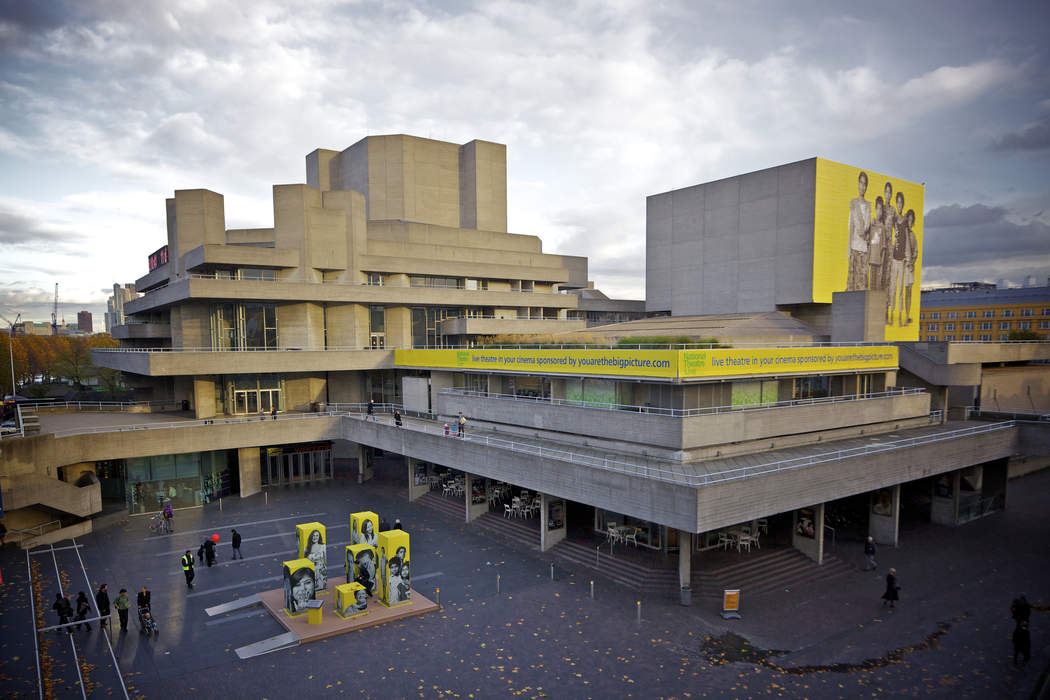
[(987, 313), (966, 337), (987, 326)]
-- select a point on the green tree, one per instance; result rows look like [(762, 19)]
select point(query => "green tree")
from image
[(1023, 335), (74, 359)]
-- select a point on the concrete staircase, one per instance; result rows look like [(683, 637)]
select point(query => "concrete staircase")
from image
[(773, 571), (453, 509), (30, 419)]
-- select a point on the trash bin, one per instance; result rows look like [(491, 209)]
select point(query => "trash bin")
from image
[(185, 405), (687, 595)]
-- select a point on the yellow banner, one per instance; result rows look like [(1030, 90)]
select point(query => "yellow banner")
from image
[(621, 363), (662, 364), (726, 362), (867, 235)]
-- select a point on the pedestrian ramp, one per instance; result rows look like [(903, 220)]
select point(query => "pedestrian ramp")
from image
[(245, 602), (281, 641)]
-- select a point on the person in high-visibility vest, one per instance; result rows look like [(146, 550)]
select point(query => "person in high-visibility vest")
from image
[(187, 567)]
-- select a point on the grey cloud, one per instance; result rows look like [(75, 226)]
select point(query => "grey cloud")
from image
[(990, 238), (16, 229), (958, 215), (1035, 137)]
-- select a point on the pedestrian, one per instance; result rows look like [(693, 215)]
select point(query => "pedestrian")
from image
[(273, 413), (397, 418), (144, 599), (169, 518), (83, 608), (869, 552), (892, 593), (1020, 610), (236, 541), (1022, 640), (187, 568), (462, 424), (446, 429), (102, 602), (371, 410), (397, 524), (209, 552), (121, 604), (64, 609)]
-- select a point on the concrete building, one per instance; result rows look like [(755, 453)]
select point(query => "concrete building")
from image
[(974, 311), (84, 322), (789, 425), (121, 295)]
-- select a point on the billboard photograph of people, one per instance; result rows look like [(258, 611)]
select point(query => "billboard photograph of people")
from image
[(351, 600), (364, 528), (363, 562), (299, 585), (312, 546), (395, 585), (865, 242)]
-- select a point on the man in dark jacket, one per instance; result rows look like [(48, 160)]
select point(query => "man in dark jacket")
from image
[(869, 553), (83, 608), (102, 602), (209, 552), (371, 410), (64, 609), (236, 541), (144, 599)]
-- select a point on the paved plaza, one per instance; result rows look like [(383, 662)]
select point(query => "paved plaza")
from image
[(949, 637)]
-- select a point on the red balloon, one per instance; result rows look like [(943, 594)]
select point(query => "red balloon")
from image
[(215, 537)]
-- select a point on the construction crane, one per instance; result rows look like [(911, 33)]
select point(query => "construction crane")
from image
[(11, 347), (54, 313)]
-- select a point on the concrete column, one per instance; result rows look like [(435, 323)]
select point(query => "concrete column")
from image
[(204, 398), (885, 515), (248, 470), (944, 501), (364, 472), (415, 489), (551, 531), (808, 537), (474, 510), (685, 558)]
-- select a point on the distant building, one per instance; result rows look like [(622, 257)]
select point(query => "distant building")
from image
[(115, 305), (84, 322), (976, 311)]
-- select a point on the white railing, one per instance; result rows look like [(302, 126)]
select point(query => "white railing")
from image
[(460, 286), (280, 348), (217, 421), (106, 405), (684, 412), (1026, 414)]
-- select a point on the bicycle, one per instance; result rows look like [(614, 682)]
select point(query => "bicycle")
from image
[(156, 525)]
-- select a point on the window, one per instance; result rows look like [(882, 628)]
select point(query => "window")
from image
[(987, 313), (1046, 312), (481, 285), (931, 327), (967, 326), (985, 337), (1027, 312), (949, 338), (1008, 313), (931, 339), (257, 274), (986, 325), (970, 314), (922, 317), (1004, 325), (375, 279), (241, 326), (1044, 325), (935, 315), (949, 326), (433, 281), (953, 314), (1024, 325), (967, 337), (1002, 337)]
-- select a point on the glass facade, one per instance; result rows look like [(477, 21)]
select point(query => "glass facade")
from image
[(184, 480), (296, 464), (244, 326)]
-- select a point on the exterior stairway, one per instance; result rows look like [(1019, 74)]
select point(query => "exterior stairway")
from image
[(774, 570)]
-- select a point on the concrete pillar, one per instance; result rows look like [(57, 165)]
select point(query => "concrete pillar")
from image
[(204, 398), (364, 471), (884, 515), (417, 478), (248, 470), (685, 559), (944, 501), (808, 532), (552, 521), (475, 510)]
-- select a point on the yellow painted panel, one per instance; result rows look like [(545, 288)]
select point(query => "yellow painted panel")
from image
[(725, 362), (627, 363)]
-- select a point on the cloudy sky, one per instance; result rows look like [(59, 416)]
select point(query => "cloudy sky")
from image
[(107, 107)]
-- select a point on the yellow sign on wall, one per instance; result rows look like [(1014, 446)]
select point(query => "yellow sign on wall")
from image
[(620, 363), (867, 234), (729, 362)]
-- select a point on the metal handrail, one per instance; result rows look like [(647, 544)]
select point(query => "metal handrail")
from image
[(103, 405), (39, 530), (217, 421), (1014, 413), (685, 412), (462, 286), (519, 346), (21, 432)]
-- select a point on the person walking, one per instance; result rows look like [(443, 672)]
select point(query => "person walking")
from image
[(462, 424), (397, 418), (371, 410), (1022, 640), (102, 602), (187, 567), (209, 552), (892, 594), (273, 413), (1020, 610), (144, 599), (236, 541), (869, 553), (64, 609), (83, 608), (169, 518), (121, 604)]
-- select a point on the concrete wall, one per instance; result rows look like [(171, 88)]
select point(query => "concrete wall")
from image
[(740, 244), (858, 316), (1025, 387), (249, 470)]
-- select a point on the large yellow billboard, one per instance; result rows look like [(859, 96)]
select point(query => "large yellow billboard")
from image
[(867, 234), (730, 362)]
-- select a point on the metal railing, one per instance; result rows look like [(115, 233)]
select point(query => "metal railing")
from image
[(460, 286), (685, 412), (279, 348), (107, 405), (1026, 414), (518, 346), (21, 431), (35, 531), (201, 422)]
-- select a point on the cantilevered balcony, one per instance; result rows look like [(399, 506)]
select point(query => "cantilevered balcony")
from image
[(160, 362), (141, 331), (492, 325)]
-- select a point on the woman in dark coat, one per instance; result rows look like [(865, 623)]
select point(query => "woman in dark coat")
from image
[(892, 593)]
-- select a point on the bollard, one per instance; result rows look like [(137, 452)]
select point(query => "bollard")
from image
[(597, 550), (552, 571), (438, 591), (220, 504), (266, 495), (592, 590), (497, 583), (639, 604)]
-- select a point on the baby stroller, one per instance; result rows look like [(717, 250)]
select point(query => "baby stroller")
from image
[(147, 624)]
